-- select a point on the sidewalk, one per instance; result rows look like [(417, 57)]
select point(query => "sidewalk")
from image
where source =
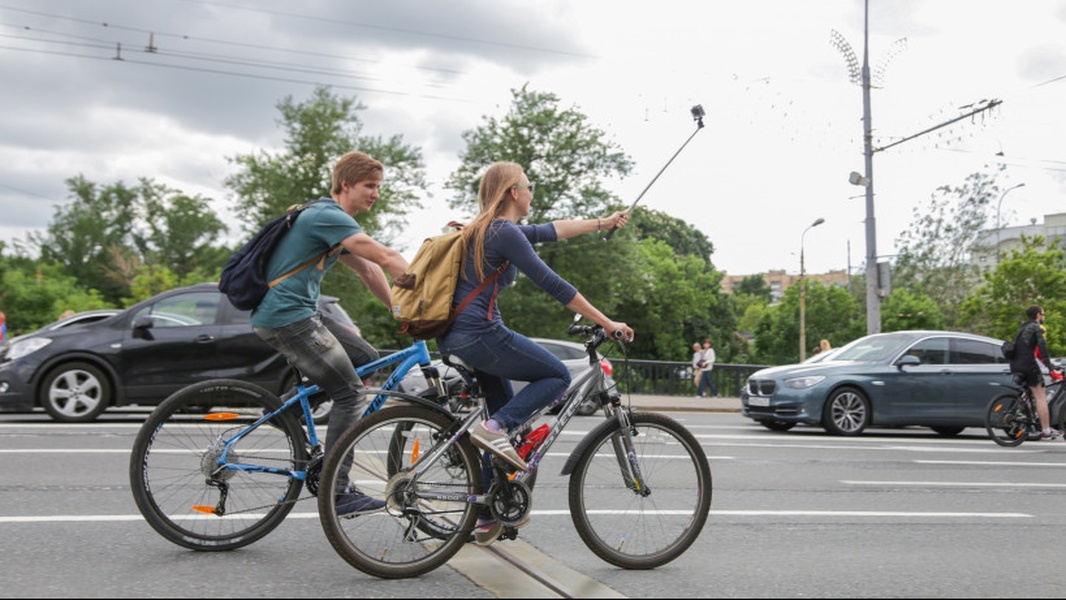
[(682, 403)]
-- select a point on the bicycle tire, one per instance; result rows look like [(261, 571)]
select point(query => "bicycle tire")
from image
[(176, 450), (1005, 420), (633, 529), (389, 543)]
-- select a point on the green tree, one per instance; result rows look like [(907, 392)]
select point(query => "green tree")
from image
[(685, 239), (755, 286), (89, 234), (655, 274), (905, 309), (107, 232), (676, 304), (934, 253), (1027, 275), (562, 153), (180, 233), (831, 313), (33, 297), (317, 133)]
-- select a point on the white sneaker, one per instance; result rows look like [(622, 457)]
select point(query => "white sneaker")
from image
[(498, 444)]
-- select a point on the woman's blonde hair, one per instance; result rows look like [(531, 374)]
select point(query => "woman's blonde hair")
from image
[(496, 183)]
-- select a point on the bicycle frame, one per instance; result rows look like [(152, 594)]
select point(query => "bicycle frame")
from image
[(415, 354), (588, 383)]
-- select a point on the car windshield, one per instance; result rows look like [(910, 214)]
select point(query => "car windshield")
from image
[(876, 348)]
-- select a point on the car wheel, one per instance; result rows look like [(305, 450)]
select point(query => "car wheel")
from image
[(75, 392), (847, 412), (777, 425), (948, 431)]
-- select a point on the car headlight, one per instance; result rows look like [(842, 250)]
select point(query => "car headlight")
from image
[(802, 383), (20, 348)]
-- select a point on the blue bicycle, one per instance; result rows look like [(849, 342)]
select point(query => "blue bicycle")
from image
[(219, 464)]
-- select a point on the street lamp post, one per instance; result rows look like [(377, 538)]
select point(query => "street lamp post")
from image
[(998, 205), (803, 294)]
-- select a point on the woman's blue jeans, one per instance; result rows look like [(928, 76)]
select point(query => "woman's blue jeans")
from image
[(500, 355)]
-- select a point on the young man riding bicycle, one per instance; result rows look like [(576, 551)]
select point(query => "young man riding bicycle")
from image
[(287, 318)]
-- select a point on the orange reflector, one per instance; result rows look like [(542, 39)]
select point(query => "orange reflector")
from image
[(222, 416), (204, 509), (414, 452), (998, 408)]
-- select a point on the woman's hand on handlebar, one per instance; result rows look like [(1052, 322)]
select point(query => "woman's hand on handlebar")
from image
[(620, 331)]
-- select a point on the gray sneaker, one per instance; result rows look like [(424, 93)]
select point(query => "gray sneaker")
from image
[(1050, 434), (498, 444)]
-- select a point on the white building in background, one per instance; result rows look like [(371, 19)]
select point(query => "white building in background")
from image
[(993, 244)]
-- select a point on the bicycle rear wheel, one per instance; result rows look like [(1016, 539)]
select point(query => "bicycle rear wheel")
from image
[(416, 533), (176, 480), (1006, 421), (633, 527)]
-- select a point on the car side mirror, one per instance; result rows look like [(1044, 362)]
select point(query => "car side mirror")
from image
[(142, 327), (908, 361)]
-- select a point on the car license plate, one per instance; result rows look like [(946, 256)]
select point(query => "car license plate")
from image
[(758, 401)]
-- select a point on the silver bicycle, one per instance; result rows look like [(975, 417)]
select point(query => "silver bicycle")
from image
[(639, 482)]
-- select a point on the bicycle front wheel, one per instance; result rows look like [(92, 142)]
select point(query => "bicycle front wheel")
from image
[(427, 518), (1005, 420), (184, 492), (645, 521)]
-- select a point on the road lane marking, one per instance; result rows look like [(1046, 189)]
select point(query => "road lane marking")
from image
[(988, 463), (956, 484), (566, 513)]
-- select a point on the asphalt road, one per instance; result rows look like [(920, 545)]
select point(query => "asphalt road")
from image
[(895, 512)]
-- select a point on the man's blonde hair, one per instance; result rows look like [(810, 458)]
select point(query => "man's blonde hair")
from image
[(354, 167)]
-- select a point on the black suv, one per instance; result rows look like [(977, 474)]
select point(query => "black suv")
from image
[(141, 355)]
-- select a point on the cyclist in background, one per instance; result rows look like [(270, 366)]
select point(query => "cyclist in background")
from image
[(1026, 371)]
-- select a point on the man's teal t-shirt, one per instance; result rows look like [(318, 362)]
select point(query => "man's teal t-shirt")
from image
[(318, 228)]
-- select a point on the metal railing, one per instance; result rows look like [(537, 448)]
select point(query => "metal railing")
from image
[(659, 377), (669, 378)]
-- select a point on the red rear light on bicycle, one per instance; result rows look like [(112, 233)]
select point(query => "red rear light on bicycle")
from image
[(607, 367)]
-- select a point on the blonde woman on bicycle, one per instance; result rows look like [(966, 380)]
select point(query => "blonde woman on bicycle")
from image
[(479, 337)]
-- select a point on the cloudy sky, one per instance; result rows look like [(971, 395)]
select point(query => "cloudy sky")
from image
[(783, 121)]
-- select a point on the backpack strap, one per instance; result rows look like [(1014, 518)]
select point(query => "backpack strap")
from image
[(320, 259), (294, 211), (481, 287)]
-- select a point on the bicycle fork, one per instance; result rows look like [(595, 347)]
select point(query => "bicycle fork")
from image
[(626, 455)]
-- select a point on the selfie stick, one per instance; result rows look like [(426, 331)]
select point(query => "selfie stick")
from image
[(697, 115)]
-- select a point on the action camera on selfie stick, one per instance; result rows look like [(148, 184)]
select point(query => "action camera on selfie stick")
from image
[(697, 115)]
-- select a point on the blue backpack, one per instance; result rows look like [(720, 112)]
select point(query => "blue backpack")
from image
[(243, 278)]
